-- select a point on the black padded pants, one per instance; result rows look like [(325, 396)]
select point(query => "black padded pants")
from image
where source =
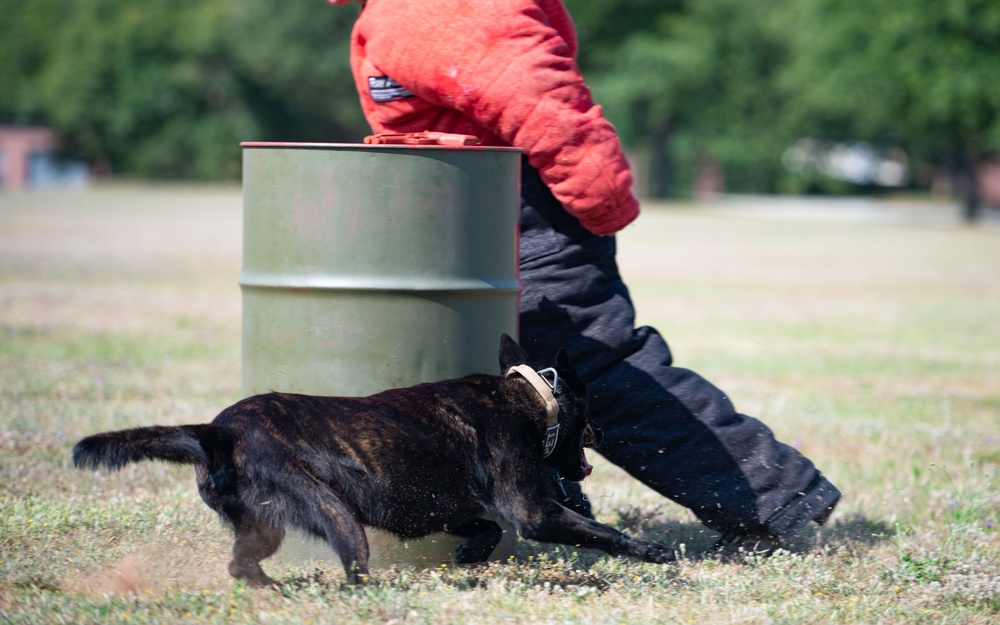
[(666, 426)]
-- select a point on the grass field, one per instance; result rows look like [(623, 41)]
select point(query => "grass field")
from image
[(873, 348)]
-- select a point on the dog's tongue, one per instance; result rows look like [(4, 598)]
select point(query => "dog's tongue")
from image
[(587, 469)]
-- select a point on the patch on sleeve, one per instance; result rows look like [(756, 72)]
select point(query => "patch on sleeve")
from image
[(385, 89)]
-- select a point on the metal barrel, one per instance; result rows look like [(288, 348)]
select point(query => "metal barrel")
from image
[(368, 267)]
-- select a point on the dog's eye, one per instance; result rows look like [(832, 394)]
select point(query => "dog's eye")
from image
[(592, 436)]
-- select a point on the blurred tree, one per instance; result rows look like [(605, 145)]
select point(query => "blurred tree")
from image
[(734, 50), (146, 88), (27, 31), (626, 55), (292, 60), (922, 75), (167, 88), (694, 83), (602, 27)]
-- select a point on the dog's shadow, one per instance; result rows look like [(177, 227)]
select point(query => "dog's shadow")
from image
[(545, 565)]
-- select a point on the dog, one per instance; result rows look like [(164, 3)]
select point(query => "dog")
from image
[(427, 458)]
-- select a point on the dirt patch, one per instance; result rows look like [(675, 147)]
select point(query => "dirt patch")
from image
[(153, 569)]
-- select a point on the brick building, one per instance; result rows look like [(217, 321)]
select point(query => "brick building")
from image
[(27, 160)]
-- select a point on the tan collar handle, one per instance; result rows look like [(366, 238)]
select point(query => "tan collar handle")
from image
[(544, 390)]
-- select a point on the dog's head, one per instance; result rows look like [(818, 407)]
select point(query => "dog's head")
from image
[(568, 428)]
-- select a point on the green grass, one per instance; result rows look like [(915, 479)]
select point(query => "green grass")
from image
[(875, 349)]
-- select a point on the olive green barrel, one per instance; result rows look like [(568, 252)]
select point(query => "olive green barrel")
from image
[(368, 267)]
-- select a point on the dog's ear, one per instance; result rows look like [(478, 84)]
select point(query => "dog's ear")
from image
[(511, 354), (562, 360), (568, 374)]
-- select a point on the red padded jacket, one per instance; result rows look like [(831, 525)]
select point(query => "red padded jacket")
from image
[(504, 71)]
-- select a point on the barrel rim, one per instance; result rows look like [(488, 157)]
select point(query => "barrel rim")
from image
[(372, 147)]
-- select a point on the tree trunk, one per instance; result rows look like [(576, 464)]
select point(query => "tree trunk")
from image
[(661, 166), (972, 203), (962, 166)]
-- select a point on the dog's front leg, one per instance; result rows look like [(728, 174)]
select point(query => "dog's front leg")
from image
[(484, 535), (553, 523)]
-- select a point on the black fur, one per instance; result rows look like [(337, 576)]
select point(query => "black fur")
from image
[(428, 458)]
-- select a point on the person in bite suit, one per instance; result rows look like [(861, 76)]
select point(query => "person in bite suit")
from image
[(504, 71)]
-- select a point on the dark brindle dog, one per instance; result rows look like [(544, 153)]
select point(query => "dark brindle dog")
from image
[(428, 458)]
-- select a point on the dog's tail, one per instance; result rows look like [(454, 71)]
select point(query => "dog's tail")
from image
[(184, 444)]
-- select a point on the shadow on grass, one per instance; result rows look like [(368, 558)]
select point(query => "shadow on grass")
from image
[(857, 534), (692, 540), (542, 571), (544, 565)]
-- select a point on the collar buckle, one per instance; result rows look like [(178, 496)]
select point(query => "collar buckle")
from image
[(554, 384)]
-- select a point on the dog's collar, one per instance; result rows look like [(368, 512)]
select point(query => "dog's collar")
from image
[(544, 388), (547, 392)]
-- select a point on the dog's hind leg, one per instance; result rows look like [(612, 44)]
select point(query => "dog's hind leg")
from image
[(333, 521), (254, 542), (347, 537), (484, 535)]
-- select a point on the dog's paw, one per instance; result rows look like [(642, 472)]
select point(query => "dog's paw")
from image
[(472, 554), (251, 574), (260, 581), (657, 553)]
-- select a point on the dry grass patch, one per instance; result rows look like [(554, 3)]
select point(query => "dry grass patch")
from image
[(873, 349)]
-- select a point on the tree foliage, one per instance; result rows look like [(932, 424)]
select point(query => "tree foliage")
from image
[(145, 87), (701, 87), (736, 81), (293, 61), (26, 33), (921, 75), (167, 88)]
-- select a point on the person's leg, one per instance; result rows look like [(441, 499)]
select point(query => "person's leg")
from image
[(665, 425)]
